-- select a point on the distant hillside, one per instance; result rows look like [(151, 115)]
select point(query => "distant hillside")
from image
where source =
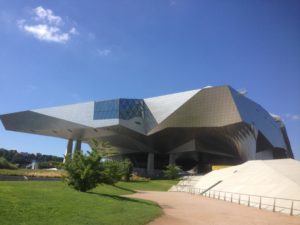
[(24, 158)]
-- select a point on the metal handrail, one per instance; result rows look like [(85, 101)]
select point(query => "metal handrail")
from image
[(223, 195)]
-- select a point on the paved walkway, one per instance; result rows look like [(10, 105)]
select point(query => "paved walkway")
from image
[(186, 209)]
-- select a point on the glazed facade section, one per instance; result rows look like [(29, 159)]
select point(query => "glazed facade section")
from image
[(194, 129)]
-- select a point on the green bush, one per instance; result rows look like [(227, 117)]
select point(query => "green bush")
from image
[(113, 171), (171, 172), (4, 164), (84, 170), (127, 169)]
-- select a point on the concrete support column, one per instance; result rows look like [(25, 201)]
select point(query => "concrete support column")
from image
[(69, 148), (172, 159), (150, 163), (78, 145)]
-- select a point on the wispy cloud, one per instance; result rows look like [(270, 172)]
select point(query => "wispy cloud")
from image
[(46, 15), (104, 52), (292, 116), (46, 26)]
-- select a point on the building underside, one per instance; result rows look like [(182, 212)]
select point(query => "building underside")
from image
[(192, 129)]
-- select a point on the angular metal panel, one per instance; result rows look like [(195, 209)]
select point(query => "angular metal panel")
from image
[(163, 106), (211, 107), (256, 116)]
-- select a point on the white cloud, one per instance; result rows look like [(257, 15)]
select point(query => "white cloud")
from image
[(104, 52), (47, 33), (73, 31), (292, 116), (46, 15), (49, 26)]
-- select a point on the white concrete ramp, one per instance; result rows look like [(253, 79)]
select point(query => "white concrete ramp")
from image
[(267, 178)]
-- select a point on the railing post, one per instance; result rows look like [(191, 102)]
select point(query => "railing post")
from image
[(209, 194), (259, 202), (248, 200), (274, 205), (239, 199), (214, 194), (219, 196), (292, 208), (224, 196), (231, 198)]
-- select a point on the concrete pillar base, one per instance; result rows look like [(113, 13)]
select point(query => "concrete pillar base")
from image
[(150, 163), (171, 159), (69, 149), (78, 145)]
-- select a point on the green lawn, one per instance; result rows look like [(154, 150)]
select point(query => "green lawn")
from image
[(152, 185), (54, 203)]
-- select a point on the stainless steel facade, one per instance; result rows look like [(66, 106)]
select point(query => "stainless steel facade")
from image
[(193, 128)]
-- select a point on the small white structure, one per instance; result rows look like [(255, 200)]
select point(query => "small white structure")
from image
[(34, 165)]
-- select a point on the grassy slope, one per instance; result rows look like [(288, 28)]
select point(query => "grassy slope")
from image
[(42, 203)]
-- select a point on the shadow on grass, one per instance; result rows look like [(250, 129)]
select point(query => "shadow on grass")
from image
[(121, 198), (124, 189)]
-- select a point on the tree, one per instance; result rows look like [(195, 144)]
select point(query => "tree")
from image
[(113, 171), (172, 171), (4, 164), (84, 170), (104, 149)]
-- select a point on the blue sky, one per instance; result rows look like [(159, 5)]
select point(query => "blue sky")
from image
[(61, 51)]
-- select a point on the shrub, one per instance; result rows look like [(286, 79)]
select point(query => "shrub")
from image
[(84, 171), (127, 169), (4, 164), (113, 171), (171, 171)]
